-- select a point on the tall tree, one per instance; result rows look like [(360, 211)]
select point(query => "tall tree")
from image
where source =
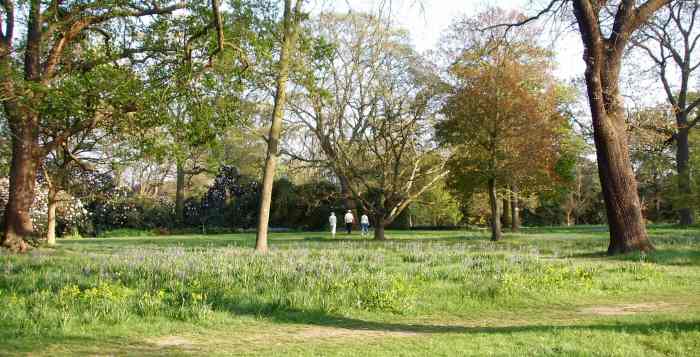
[(670, 40), (605, 28), (368, 101), (603, 56), (55, 44), (290, 29), (501, 119)]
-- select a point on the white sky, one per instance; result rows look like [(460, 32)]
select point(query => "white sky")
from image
[(427, 19)]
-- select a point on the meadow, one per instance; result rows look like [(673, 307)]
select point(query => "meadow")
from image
[(544, 291)]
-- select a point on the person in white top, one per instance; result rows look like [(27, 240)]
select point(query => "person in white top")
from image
[(364, 222), (349, 218), (332, 220)]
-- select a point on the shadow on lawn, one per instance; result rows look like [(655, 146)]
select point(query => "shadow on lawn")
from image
[(168, 241), (87, 346), (320, 318), (661, 256)]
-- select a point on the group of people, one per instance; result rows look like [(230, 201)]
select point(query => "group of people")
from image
[(349, 220)]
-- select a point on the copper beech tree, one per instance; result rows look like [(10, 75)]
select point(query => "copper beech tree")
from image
[(501, 119)]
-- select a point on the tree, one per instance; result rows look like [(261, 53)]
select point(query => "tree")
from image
[(205, 84), (367, 102), (290, 28), (670, 40), (501, 120), (62, 38), (605, 28), (603, 56)]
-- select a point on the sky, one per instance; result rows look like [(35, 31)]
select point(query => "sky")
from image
[(427, 19)]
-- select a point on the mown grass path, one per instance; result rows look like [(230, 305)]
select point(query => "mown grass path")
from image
[(540, 292)]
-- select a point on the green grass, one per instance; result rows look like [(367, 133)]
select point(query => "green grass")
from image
[(545, 291)]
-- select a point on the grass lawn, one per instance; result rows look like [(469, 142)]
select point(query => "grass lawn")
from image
[(548, 291)]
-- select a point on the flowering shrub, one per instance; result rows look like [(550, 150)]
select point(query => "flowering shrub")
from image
[(73, 216), (114, 210), (231, 201), (156, 212), (120, 208)]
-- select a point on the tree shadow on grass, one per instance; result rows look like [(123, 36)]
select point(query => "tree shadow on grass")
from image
[(161, 242), (82, 345), (280, 314), (662, 256)]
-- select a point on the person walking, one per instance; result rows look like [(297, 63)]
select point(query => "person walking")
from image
[(333, 220), (364, 222), (349, 219)]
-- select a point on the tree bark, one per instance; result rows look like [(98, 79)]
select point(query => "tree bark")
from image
[(685, 211), (180, 193), (603, 58), (51, 216), (514, 210), (18, 223), (495, 221), (291, 23)]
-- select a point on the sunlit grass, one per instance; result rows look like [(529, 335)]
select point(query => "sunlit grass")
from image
[(463, 285)]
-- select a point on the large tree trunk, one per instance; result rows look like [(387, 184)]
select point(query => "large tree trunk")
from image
[(180, 194), (495, 221), (685, 211), (291, 23), (603, 57), (514, 210), (18, 223), (51, 216), (627, 231)]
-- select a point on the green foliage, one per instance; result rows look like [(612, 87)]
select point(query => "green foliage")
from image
[(436, 207)]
